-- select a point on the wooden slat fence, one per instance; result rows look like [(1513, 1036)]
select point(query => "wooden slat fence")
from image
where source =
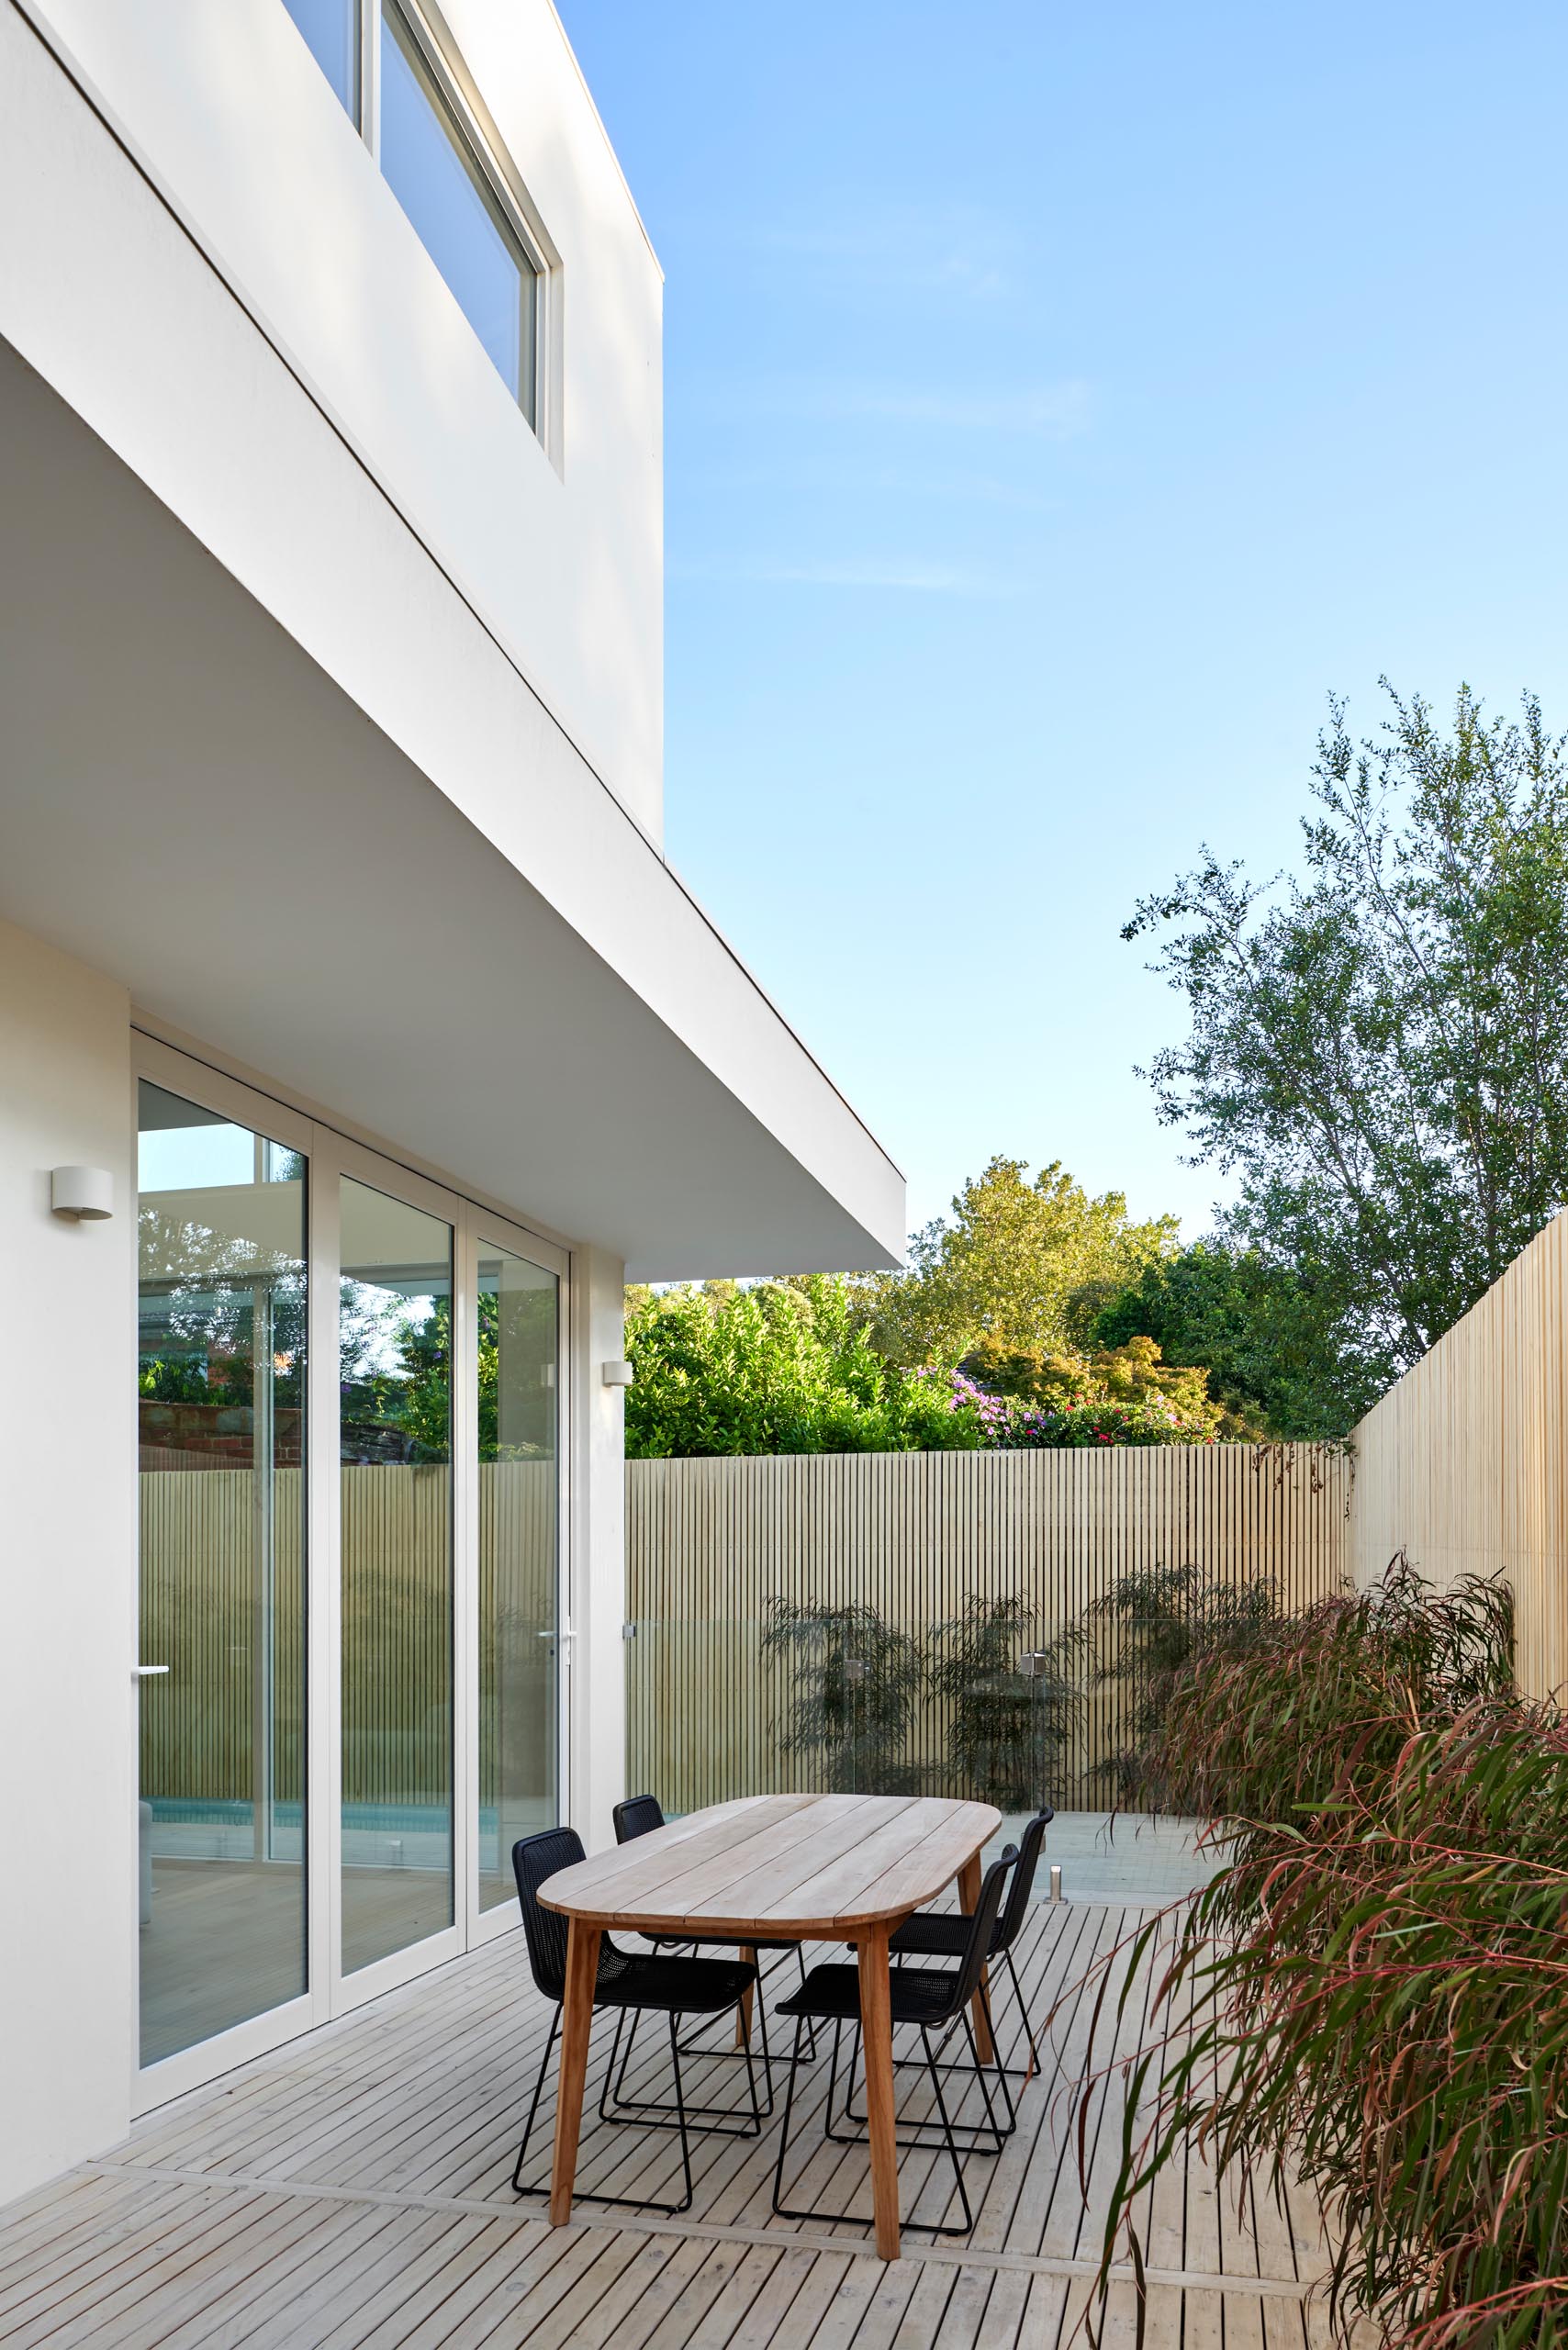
[(710, 1542), (1465, 1464), (201, 1606)]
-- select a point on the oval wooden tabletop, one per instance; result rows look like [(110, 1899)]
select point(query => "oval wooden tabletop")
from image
[(794, 1866)]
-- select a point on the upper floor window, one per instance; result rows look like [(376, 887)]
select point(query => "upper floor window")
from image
[(383, 62)]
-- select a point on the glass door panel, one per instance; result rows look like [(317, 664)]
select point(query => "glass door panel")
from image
[(394, 1375), (220, 1386), (517, 1336)]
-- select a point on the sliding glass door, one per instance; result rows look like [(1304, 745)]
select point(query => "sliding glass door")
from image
[(395, 1444), (352, 1659), (517, 1342), (223, 1344)]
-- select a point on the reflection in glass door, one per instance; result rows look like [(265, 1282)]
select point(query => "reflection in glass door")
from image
[(395, 1373), (517, 1339), (220, 1382)]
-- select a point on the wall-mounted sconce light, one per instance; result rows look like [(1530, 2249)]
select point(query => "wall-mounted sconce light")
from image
[(86, 1192), (617, 1374)]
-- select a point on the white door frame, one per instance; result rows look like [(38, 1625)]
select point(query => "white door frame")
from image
[(331, 1156), (480, 1225)]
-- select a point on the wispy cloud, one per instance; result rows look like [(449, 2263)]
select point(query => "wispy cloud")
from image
[(915, 578)]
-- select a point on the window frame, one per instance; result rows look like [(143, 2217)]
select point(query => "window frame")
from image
[(332, 1152), (489, 159)]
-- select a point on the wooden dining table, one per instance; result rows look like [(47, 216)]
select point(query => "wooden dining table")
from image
[(773, 1868)]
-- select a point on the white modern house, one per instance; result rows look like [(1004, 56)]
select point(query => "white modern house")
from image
[(356, 1042)]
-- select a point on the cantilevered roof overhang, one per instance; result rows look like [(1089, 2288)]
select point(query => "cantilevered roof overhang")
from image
[(408, 903)]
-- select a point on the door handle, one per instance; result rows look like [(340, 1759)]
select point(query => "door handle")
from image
[(146, 1672)]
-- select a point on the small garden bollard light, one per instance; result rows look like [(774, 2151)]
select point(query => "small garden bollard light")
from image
[(1056, 1880)]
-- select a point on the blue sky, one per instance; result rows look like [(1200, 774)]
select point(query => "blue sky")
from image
[(1059, 403)]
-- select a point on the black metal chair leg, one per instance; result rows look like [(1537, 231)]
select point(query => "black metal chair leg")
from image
[(620, 2202), (782, 2209), (605, 2089), (651, 2113), (1035, 2064), (992, 2123), (534, 2103), (920, 2133), (680, 2111), (952, 2155)]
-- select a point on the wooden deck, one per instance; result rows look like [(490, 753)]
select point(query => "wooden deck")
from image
[(352, 2192)]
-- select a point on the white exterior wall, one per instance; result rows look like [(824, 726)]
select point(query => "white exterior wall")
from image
[(68, 1575), (225, 109), (598, 1588), (101, 291)]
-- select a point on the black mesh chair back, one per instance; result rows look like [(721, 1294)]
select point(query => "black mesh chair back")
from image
[(636, 1815), (1022, 1882), (534, 1859), (982, 1926)]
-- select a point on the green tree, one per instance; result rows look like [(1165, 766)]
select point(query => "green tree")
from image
[(1377, 1047), (1025, 1264), (784, 1366), (1277, 1360)]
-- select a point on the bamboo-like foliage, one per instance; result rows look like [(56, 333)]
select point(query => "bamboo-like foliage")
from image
[(1147, 1629), (1008, 1725), (1374, 1991), (855, 1681)]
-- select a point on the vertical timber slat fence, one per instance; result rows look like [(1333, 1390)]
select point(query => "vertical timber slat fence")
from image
[(710, 1542), (1463, 1464)]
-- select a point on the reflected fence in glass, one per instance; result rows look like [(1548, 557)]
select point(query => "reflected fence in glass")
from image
[(517, 1339), (396, 1501), (221, 1396), (838, 1698)]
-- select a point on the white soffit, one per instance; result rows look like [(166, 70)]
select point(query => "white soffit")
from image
[(188, 804)]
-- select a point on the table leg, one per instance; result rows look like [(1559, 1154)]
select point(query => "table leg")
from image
[(877, 2038), (743, 2014), (576, 2022), (968, 1897)]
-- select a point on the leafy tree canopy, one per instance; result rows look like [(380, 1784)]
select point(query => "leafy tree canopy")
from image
[(783, 1366), (1279, 1362), (1021, 1263), (1377, 1048)]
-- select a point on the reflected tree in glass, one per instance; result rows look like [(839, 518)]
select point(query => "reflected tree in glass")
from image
[(396, 1499), (220, 1397), (517, 1340)]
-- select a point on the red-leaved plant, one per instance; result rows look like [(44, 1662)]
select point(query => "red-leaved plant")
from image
[(1374, 1992)]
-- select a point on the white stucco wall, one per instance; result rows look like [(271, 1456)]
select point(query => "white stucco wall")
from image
[(228, 114), (99, 286), (598, 1588), (67, 1571)]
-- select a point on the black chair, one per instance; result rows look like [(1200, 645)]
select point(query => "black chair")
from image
[(929, 1997), (628, 1981), (939, 1933), (637, 1815)]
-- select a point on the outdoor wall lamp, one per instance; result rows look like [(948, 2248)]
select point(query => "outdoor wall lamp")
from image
[(617, 1374), (86, 1192)]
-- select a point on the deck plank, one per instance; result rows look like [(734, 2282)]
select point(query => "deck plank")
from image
[(352, 2191)]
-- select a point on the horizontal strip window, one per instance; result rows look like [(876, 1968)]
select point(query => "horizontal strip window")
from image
[(390, 77)]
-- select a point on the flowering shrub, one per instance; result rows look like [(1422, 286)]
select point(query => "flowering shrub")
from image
[(1024, 1402)]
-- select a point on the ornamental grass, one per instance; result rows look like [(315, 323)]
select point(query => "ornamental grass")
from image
[(1373, 1995)]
